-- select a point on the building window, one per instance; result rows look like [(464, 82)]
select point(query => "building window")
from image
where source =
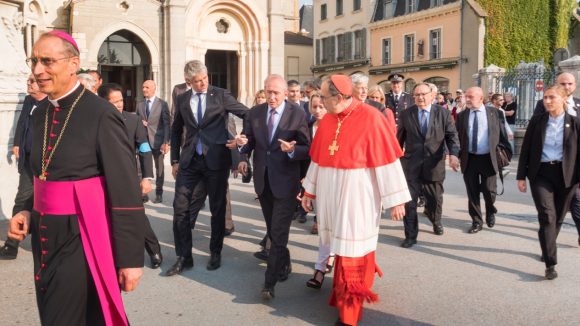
[(411, 6), (328, 50), (317, 53), (348, 46), (435, 44), (387, 51), (435, 3), (356, 5), (389, 9), (410, 85), (341, 47), (323, 11), (409, 48), (338, 7), (360, 45)]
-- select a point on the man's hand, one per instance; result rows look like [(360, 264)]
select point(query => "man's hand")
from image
[(19, 225), (129, 278), (231, 144), (287, 147), (235, 173), (174, 170), (522, 185), (243, 167), (165, 149), (145, 186), (398, 212), (307, 203), (241, 140), (15, 151), (454, 162), (144, 122)]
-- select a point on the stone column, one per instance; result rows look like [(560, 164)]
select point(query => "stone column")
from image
[(488, 78), (572, 66), (174, 43), (276, 15)]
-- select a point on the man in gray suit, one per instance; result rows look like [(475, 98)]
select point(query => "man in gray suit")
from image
[(154, 113)]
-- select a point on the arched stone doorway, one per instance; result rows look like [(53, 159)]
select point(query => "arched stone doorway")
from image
[(124, 59), (442, 83)]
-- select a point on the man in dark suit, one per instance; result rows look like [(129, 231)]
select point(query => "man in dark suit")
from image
[(568, 82), (178, 90), (277, 134), (154, 113), (424, 131), (396, 100), (203, 113), (481, 130), (138, 138), (21, 151)]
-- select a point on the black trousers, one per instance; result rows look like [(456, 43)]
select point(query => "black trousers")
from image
[(480, 177), (158, 157), (197, 201), (278, 216), (151, 242), (433, 193), (552, 201), (65, 291), (575, 210), (216, 182)]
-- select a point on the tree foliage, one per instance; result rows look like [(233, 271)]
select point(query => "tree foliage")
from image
[(527, 30)]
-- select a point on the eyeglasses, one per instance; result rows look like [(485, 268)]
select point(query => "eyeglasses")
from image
[(421, 94), (47, 62), (327, 97)]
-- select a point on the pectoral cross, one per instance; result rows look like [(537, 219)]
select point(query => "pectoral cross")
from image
[(333, 147)]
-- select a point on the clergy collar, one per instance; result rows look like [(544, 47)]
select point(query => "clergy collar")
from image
[(62, 100)]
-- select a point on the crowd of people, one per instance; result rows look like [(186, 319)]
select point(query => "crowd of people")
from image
[(335, 147)]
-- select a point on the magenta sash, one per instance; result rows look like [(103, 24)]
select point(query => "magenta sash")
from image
[(86, 198)]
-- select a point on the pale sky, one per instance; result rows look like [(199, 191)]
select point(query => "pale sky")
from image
[(305, 2)]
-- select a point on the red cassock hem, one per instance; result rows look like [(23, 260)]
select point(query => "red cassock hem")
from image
[(353, 279)]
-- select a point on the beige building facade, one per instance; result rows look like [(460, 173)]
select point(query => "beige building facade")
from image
[(441, 42), (129, 41)]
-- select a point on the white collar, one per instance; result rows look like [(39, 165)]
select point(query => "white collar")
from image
[(55, 102)]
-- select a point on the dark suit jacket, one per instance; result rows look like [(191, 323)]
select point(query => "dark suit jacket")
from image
[(540, 108), (533, 145), (495, 131), (138, 135), (213, 131), (283, 171), (425, 156), (158, 123), (177, 90), (405, 102), (23, 132)]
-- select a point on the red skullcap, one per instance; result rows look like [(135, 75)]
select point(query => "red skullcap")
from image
[(343, 84), (65, 37)]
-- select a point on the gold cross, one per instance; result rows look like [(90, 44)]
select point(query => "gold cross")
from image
[(333, 148)]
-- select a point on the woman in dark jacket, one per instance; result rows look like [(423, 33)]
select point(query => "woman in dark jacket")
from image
[(548, 159)]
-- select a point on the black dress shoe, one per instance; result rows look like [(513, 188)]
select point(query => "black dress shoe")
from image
[(267, 293), (262, 254), (215, 262), (551, 273), (156, 260), (145, 199), (158, 199), (490, 221), (229, 232), (8, 252), (421, 201), (408, 243), (285, 272), (475, 227), (301, 218), (180, 265), (438, 229)]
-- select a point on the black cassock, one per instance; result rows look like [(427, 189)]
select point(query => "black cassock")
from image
[(94, 143)]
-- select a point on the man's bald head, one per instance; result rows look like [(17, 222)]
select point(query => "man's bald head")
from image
[(567, 81), (474, 97), (149, 88)]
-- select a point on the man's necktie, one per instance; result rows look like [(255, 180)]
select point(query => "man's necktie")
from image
[(397, 99), (271, 124), (474, 131), (423, 122), (198, 146), (148, 108)]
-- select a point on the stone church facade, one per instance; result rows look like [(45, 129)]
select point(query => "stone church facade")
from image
[(129, 41)]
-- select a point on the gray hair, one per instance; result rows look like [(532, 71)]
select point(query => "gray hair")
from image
[(432, 87), (88, 81), (359, 78), (276, 77), (193, 68), (313, 83)]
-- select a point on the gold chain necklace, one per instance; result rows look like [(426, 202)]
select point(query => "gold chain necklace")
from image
[(46, 161), (332, 148)]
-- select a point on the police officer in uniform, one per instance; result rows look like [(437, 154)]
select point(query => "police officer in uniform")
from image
[(396, 99)]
